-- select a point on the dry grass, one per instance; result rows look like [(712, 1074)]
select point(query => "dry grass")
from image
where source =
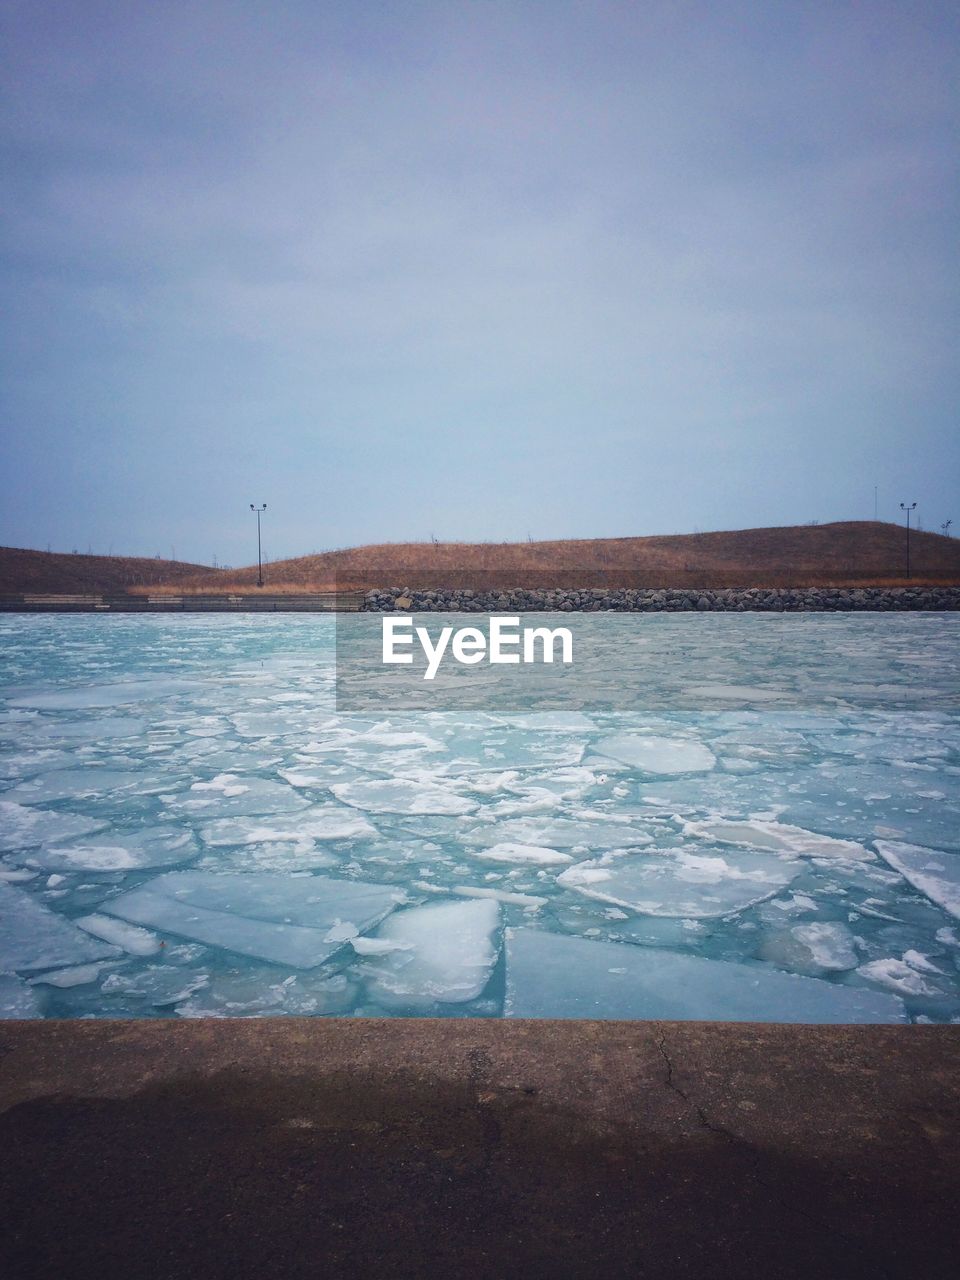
[(55, 573), (853, 553)]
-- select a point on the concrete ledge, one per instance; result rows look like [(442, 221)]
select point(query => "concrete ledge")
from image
[(474, 1148)]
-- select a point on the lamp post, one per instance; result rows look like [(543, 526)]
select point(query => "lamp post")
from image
[(263, 507), (945, 528), (908, 509)]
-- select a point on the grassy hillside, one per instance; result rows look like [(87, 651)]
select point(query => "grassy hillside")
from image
[(50, 572), (851, 552)]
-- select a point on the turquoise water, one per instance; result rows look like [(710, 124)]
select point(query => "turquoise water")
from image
[(729, 816)]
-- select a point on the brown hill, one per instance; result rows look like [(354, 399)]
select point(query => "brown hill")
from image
[(850, 552), (50, 572)]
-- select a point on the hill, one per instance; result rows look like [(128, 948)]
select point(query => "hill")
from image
[(52, 572), (857, 553), (850, 552)]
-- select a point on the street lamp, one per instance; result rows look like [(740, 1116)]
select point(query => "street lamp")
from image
[(945, 528), (908, 509), (260, 558)]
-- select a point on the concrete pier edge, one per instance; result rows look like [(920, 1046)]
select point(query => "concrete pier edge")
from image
[(477, 1148)]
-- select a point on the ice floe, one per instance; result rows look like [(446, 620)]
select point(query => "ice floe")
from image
[(401, 795), (32, 937), (524, 853), (661, 757), (297, 922), (758, 834), (681, 882), (130, 937), (813, 948), (931, 871), (552, 976), (119, 851), (445, 954), (23, 827)]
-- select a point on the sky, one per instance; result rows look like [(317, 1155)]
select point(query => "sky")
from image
[(473, 270)]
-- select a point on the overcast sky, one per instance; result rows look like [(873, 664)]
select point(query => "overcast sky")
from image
[(474, 270)]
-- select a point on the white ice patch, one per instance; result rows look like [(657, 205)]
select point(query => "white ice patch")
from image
[(320, 822), (81, 784), (662, 757), (899, 977), (223, 797), (158, 985), (22, 827), (812, 948), (559, 833), (552, 976), (130, 937), (32, 937), (278, 918), (520, 853), (17, 998), (119, 851), (681, 883), (80, 975), (400, 795), (930, 871), (758, 834), (447, 954)]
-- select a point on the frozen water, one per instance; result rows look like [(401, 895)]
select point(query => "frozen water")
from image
[(758, 834), (17, 998), (444, 953), (118, 851), (32, 937), (272, 917), (134, 940), (660, 756), (398, 795), (24, 828), (686, 883), (181, 799), (819, 947), (551, 976), (934, 873)]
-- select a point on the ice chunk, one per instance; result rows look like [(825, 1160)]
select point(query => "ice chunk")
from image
[(681, 882), (930, 871), (899, 976), (273, 917), (552, 976), (32, 937), (78, 976), (120, 851), (401, 795), (22, 827), (514, 853), (758, 834), (227, 796), (560, 833), (134, 940), (448, 954), (17, 999), (158, 985), (81, 784), (659, 756), (320, 822), (810, 948)]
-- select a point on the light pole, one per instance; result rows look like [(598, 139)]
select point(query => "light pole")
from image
[(908, 509), (263, 507), (945, 528)]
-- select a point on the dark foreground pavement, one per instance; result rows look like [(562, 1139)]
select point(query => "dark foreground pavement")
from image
[(360, 1148)]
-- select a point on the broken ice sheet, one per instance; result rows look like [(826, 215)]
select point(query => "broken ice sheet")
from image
[(17, 998), (683, 882), (443, 953), (401, 795), (931, 871), (229, 795), (293, 921), (758, 834), (32, 937), (661, 757), (119, 851), (320, 822), (813, 948), (552, 976), (23, 827)]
